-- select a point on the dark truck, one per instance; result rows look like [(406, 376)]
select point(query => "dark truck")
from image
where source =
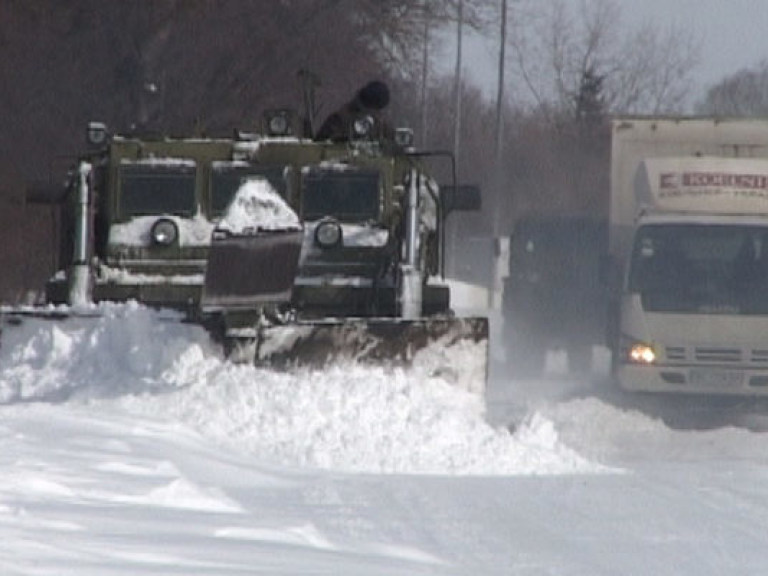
[(555, 295)]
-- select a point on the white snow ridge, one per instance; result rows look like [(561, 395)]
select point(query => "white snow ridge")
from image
[(347, 417)]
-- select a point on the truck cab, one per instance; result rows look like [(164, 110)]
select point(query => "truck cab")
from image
[(689, 232), (142, 210)]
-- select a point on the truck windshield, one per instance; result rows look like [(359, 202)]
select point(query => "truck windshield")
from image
[(226, 179), (157, 189), (720, 269), (346, 195)]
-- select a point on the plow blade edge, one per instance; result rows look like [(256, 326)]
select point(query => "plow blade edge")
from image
[(453, 348), (251, 271)]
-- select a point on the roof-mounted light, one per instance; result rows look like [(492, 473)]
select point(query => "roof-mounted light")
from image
[(278, 122), (404, 137), (96, 134), (362, 127)]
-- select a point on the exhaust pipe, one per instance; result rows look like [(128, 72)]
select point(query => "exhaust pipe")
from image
[(80, 280), (410, 274)]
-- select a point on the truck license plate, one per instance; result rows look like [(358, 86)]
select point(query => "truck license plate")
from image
[(716, 378)]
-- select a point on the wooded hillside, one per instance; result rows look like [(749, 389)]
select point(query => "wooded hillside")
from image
[(207, 67)]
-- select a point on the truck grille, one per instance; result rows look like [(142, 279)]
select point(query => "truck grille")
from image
[(714, 355), (675, 353), (760, 356), (717, 354)]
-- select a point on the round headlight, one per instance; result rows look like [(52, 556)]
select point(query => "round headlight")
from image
[(363, 127), (328, 234), (96, 135), (278, 125), (404, 137), (641, 353), (164, 232)]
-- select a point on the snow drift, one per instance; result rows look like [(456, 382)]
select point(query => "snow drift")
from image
[(346, 417)]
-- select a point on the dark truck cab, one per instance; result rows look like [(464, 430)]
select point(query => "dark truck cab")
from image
[(554, 296)]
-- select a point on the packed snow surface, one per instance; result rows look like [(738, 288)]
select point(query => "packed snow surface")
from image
[(128, 445)]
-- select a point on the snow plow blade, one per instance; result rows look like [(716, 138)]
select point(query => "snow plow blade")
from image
[(452, 348), (251, 271)]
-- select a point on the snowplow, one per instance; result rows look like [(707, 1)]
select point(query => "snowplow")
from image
[(292, 246)]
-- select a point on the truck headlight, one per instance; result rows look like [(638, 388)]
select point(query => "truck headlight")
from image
[(641, 353), (164, 232), (328, 234)]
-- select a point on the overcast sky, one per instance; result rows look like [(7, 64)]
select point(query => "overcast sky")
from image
[(733, 34)]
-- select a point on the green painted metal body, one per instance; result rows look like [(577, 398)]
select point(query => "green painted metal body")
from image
[(127, 264), (154, 211)]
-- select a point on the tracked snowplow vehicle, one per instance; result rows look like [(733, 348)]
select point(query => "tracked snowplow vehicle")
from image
[(290, 248)]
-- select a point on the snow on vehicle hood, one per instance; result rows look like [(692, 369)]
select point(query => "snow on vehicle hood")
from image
[(257, 206)]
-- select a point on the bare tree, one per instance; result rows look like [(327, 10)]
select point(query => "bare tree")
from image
[(556, 47), (744, 93), (176, 66), (653, 71)]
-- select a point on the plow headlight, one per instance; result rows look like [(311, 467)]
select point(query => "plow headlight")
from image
[(641, 353), (164, 232), (362, 127), (278, 122), (96, 135), (278, 125), (328, 234), (404, 137)]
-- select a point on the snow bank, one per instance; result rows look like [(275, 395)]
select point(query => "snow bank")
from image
[(257, 206), (115, 349), (347, 417)]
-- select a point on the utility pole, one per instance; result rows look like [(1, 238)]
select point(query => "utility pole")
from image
[(457, 83), (500, 88), (499, 142), (452, 227), (502, 243), (424, 73)]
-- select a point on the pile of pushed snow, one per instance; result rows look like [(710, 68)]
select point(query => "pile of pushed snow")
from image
[(257, 206), (347, 417), (103, 351)]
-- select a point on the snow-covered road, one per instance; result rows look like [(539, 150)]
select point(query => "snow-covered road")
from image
[(128, 447)]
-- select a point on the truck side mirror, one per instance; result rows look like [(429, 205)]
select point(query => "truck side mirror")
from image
[(465, 197)]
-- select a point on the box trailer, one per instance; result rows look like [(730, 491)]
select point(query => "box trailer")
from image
[(688, 244)]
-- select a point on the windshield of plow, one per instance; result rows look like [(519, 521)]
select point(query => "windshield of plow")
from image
[(346, 195), (151, 190)]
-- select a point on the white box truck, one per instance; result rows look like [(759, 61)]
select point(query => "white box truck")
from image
[(688, 237)]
